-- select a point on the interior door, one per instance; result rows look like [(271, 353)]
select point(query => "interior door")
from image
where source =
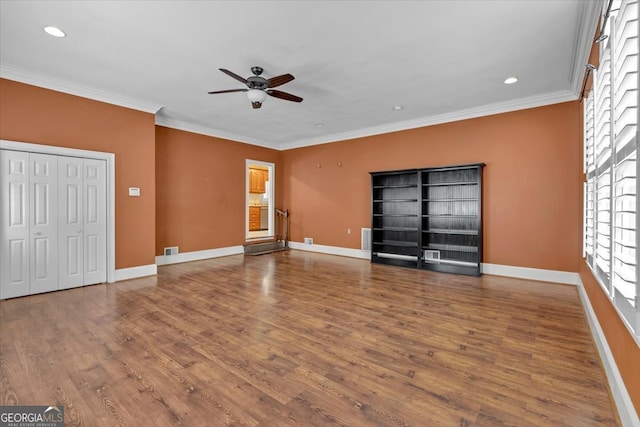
[(95, 221), (43, 215), (14, 224), (83, 222), (70, 243)]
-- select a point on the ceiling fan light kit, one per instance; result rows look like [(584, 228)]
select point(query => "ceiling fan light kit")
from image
[(256, 97), (258, 87)]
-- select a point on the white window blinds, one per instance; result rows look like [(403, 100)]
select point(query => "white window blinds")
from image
[(611, 166)]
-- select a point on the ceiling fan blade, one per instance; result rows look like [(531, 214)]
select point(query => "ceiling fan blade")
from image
[(234, 75), (283, 95), (228, 91), (279, 80)]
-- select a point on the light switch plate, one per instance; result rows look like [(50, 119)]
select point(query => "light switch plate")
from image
[(134, 192)]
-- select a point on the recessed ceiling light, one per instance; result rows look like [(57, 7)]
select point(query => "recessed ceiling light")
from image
[(510, 80), (319, 125), (54, 31), (398, 108)]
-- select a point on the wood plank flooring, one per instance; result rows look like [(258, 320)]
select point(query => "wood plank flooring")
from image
[(296, 338)]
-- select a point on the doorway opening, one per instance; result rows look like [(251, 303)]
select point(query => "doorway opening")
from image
[(260, 203)]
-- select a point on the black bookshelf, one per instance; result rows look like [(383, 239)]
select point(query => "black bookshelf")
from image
[(396, 218), (429, 218)]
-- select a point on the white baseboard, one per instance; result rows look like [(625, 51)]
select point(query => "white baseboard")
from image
[(626, 410), (331, 250), (135, 272), (555, 276), (198, 255)]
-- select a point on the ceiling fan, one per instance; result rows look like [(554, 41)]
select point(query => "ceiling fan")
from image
[(258, 87)]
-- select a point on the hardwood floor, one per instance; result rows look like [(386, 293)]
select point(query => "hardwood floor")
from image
[(296, 338)]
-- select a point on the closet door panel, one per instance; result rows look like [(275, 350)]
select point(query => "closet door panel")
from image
[(71, 224), (43, 214), (14, 224), (95, 221), (53, 223)]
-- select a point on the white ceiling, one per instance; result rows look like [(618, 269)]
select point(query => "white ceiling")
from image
[(352, 60)]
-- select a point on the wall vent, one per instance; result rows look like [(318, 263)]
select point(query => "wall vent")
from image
[(432, 256), (173, 250), (365, 239)]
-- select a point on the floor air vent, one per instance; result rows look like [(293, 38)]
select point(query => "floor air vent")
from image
[(173, 250), (432, 256)]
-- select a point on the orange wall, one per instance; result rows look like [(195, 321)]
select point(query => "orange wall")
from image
[(622, 345), (201, 189), (532, 192), (41, 116)]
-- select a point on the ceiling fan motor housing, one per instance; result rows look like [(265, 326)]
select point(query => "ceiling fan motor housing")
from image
[(256, 82)]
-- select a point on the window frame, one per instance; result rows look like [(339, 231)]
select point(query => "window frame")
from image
[(604, 156)]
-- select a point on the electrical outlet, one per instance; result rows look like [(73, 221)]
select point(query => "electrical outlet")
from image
[(348, 231), (308, 240)]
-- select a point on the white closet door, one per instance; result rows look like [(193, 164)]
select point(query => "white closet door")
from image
[(71, 241), (83, 222), (14, 224), (95, 221), (43, 214), (53, 223)]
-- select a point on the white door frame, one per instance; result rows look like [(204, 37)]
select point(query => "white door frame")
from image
[(271, 194), (110, 159)]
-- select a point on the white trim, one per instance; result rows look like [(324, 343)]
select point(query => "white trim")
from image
[(271, 196), (17, 74), (590, 12), (209, 131), (626, 410), (331, 250), (11, 72), (135, 272), (199, 255), (555, 276), (470, 113), (110, 159)]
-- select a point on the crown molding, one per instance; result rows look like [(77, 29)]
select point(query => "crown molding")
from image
[(485, 110), (14, 73), (590, 12), (11, 72), (207, 131)]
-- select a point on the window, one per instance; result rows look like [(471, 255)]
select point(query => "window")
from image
[(610, 241)]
